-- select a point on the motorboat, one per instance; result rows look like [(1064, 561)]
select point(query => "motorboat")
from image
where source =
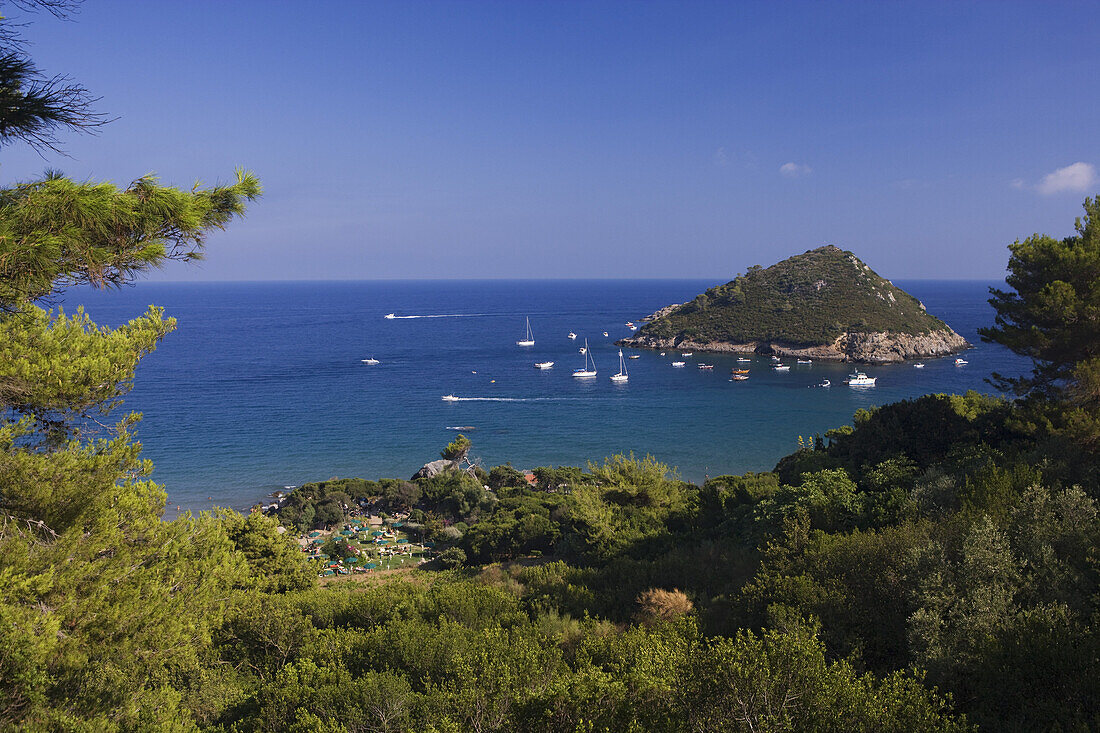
[(706, 366), (960, 362), (687, 353), (605, 333), (391, 316), (805, 361), (742, 358), (775, 357), (677, 363), (739, 371), (529, 339), (662, 353), (633, 328), (572, 336), (583, 350), (634, 356), (859, 379), (589, 368), (739, 377), (782, 367), (544, 365), (622, 376), (918, 366), (449, 398), (371, 360), (825, 383)]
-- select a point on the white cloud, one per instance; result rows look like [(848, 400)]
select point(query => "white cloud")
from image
[(1017, 183), (795, 170), (1077, 178), (721, 157)]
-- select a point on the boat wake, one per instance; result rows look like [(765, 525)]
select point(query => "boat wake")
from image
[(393, 317)]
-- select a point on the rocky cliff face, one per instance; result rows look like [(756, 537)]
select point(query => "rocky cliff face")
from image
[(868, 348)]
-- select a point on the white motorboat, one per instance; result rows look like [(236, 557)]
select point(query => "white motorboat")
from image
[(705, 366), (622, 376), (544, 365), (449, 398), (589, 368), (805, 361), (859, 379), (634, 356), (572, 336), (687, 353), (391, 316), (825, 383), (781, 367), (529, 339), (583, 350), (918, 366), (662, 353), (741, 358), (371, 360), (633, 328), (605, 333), (677, 363), (775, 357), (960, 362), (738, 377)]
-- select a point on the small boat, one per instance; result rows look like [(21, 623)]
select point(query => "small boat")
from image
[(371, 360), (629, 324), (583, 349), (449, 398), (687, 353), (529, 339), (739, 371), (605, 333), (775, 357), (739, 377), (705, 366), (622, 376), (918, 366), (390, 316), (677, 363), (960, 362), (634, 356), (825, 383), (544, 364), (859, 379), (572, 336), (633, 328), (741, 358), (782, 367), (586, 371), (662, 353), (805, 361)]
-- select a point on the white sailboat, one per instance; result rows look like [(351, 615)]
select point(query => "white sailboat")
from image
[(622, 376), (529, 340), (586, 371)]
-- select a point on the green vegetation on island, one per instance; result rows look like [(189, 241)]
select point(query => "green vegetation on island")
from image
[(808, 300), (931, 567)]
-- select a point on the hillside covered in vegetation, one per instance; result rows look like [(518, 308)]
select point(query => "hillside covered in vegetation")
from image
[(824, 303)]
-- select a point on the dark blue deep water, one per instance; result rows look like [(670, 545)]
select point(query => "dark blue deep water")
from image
[(262, 386)]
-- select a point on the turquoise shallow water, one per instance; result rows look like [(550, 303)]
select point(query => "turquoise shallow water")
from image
[(262, 385)]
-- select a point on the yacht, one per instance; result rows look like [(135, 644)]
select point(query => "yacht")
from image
[(859, 379), (589, 368), (371, 360), (544, 364), (529, 339), (622, 376), (960, 362), (677, 363), (449, 398)]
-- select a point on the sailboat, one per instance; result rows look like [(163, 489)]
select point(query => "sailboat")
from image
[(529, 340), (622, 376), (586, 371)]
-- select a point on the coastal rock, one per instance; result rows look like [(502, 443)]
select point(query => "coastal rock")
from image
[(867, 348), (661, 312), (434, 468)]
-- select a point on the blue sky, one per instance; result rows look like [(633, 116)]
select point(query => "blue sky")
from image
[(591, 139)]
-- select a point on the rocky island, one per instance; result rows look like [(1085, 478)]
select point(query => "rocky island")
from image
[(823, 304)]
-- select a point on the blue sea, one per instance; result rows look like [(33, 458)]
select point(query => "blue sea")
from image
[(262, 386)]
